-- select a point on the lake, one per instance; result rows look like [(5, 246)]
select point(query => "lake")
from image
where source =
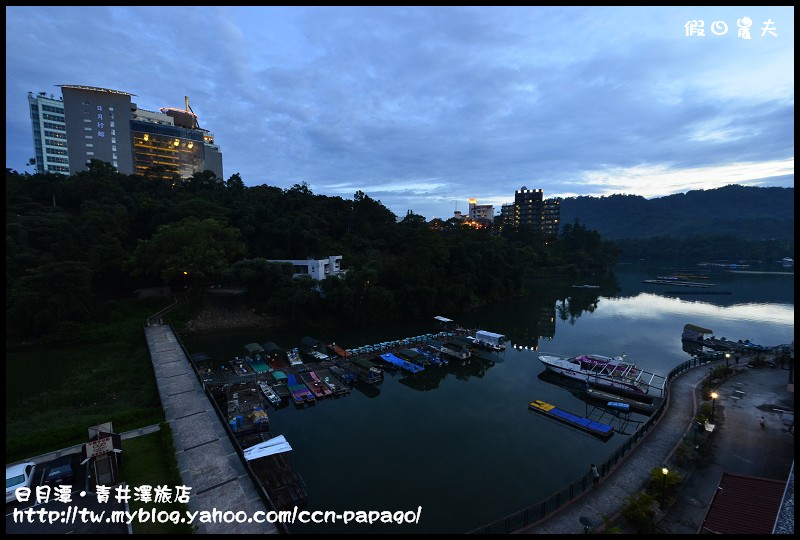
[(459, 441)]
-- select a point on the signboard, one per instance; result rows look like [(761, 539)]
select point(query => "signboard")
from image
[(105, 427), (99, 447)]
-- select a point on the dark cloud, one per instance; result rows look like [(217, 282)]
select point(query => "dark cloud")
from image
[(424, 107)]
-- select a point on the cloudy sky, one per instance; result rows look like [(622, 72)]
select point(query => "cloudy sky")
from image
[(423, 108)]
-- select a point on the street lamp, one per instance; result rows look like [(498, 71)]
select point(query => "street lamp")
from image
[(714, 397), (727, 357), (664, 486)]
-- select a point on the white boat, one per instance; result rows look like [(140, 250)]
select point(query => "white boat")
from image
[(269, 393), (604, 372), (490, 340)]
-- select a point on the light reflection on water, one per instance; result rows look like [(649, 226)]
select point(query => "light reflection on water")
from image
[(651, 306), (460, 441)]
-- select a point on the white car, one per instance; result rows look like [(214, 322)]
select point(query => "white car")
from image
[(20, 475)]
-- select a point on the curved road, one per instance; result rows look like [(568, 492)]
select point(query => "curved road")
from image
[(739, 446)]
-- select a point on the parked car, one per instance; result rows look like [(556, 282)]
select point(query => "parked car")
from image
[(17, 476), (61, 470)]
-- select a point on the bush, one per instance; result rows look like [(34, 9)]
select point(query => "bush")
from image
[(640, 512)]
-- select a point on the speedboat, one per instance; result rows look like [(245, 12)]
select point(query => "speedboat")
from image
[(599, 371), (269, 393)]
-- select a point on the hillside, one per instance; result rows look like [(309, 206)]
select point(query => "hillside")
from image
[(748, 213)]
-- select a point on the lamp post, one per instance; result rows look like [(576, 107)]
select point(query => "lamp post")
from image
[(727, 358), (664, 486), (714, 396)]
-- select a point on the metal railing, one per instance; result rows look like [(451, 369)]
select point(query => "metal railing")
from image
[(542, 509)]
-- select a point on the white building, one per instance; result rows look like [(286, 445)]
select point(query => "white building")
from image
[(49, 133), (317, 269)]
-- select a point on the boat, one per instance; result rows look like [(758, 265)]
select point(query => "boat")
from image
[(294, 357), (677, 283), (610, 374), (604, 431), (644, 405), (241, 366), (337, 386), (618, 406), (389, 358), (339, 351), (269, 393), (490, 340), (246, 411), (275, 356), (300, 393), (347, 377), (316, 385), (586, 286), (365, 370), (313, 350)]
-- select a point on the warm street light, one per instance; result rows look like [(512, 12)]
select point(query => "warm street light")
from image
[(727, 357), (714, 397), (664, 486)]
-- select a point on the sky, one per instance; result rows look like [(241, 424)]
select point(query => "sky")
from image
[(423, 108)]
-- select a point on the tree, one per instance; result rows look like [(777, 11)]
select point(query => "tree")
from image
[(189, 251), (48, 295)]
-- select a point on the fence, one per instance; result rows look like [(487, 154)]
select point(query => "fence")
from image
[(542, 509)]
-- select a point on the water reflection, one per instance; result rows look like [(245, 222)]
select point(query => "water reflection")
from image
[(417, 443)]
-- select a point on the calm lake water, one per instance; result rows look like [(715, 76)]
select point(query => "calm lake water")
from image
[(459, 441)]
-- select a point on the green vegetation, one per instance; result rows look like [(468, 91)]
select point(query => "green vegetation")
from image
[(639, 511), (744, 212), (73, 243), (149, 460), (80, 376)]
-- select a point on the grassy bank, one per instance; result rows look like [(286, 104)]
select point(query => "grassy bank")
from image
[(82, 376), (149, 460)]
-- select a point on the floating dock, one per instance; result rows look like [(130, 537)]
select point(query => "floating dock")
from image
[(402, 364), (604, 431)]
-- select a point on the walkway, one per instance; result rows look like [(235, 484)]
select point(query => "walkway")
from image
[(206, 458), (656, 449)]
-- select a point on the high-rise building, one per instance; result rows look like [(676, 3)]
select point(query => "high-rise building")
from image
[(104, 124), (49, 133), (533, 212)]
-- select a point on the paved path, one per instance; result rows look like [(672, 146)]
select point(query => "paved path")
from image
[(656, 449), (206, 458)]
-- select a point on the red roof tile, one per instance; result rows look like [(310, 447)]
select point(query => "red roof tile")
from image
[(744, 505)]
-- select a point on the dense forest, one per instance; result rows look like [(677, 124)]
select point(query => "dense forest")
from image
[(749, 213), (74, 244), (731, 223)]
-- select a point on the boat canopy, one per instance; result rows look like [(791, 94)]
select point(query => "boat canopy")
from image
[(443, 319), (279, 375), (309, 344), (275, 445), (490, 337), (253, 348), (271, 347)]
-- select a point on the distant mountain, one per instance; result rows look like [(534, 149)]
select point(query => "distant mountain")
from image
[(748, 213)]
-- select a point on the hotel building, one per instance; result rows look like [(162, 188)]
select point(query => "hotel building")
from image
[(98, 123)]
